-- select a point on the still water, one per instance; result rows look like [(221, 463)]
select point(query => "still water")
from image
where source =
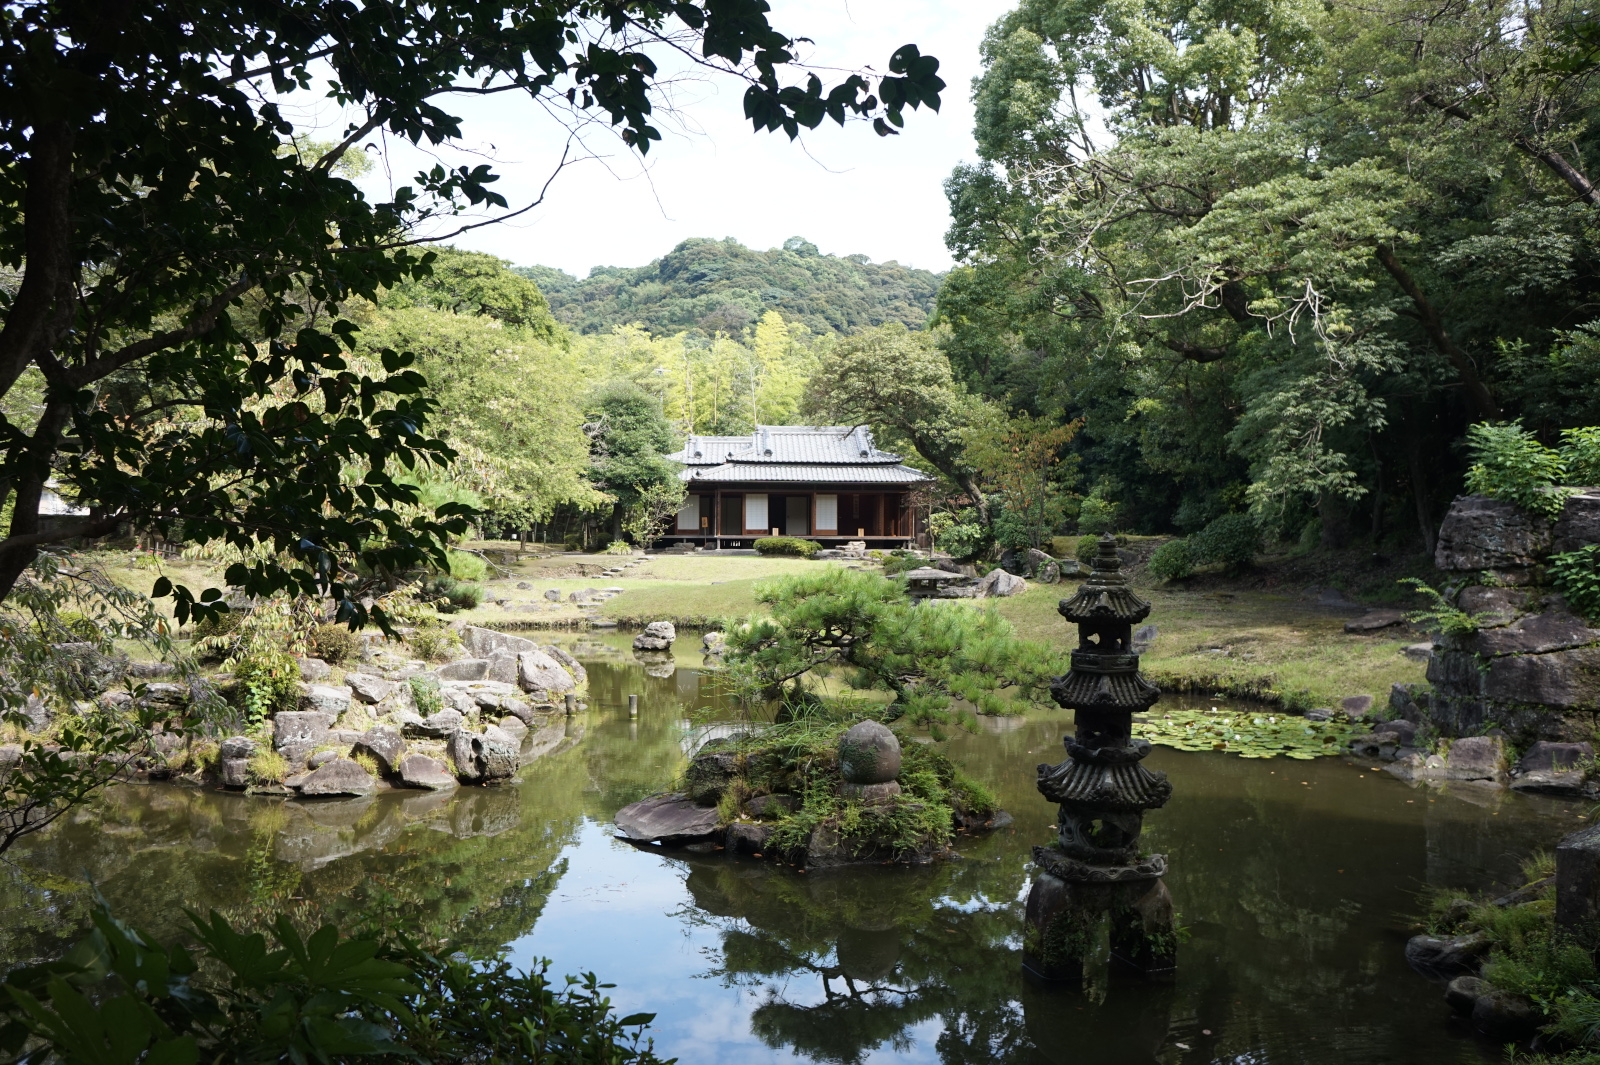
[(1293, 878)]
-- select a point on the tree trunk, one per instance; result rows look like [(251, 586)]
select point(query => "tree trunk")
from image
[(1334, 510), (1477, 392), (1419, 494)]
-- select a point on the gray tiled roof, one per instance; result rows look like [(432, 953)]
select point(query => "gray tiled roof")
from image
[(834, 445), (859, 473)]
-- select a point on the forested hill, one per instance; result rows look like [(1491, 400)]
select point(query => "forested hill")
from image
[(721, 285)]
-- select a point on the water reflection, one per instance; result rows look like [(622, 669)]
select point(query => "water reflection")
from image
[(1292, 878)]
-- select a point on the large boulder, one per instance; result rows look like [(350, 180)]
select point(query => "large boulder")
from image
[(1480, 533), (421, 771), (369, 689), (481, 642), (464, 669), (869, 754), (570, 664), (1477, 758), (997, 583), (340, 776), (542, 676), (1579, 524), (671, 819), (1444, 957), (657, 636), (710, 772), (1553, 768), (435, 726), (483, 757), (502, 666), (90, 670), (294, 727), (325, 698), (384, 744), (314, 670)]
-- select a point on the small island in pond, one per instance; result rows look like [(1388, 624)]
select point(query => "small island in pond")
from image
[(817, 796)]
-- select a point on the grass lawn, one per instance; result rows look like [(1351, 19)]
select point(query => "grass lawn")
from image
[(1245, 643)]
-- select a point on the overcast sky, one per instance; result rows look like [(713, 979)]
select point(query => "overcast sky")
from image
[(846, 190)]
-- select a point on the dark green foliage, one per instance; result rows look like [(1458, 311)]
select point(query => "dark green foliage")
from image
[(722, 286), (962, 534), (1088, 547), (1172, 561), (1576, 575), (926, 657), (121, 998), (471, 282), (449, 595), (629, 436), (332, 642), (899, 561), (787, 545), (1231, 540), (425, 696)]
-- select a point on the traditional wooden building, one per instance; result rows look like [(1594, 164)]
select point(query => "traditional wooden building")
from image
[(823, 482)]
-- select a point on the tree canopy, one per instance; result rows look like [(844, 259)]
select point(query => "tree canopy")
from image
[(1318, 242), (181, 260), (721, 286)]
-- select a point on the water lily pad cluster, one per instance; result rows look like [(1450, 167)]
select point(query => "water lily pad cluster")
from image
[(1257, 734)]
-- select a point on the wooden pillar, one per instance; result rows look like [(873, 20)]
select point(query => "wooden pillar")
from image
[(880, 514), (716, 517)]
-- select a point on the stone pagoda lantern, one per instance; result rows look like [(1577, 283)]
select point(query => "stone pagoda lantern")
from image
[(1095, 870)]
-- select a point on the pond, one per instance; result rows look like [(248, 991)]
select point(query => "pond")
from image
[(1294, 879)]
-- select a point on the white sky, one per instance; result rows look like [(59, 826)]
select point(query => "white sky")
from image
[(846, 190)]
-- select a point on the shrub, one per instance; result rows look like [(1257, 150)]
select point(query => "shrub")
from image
[(619, 547), (225, 624), (786, 545), (899, 561), (465, 566), (1511, 465), (432, 641), (1576, 575), (1096, 514), (332, 642), (963, 540), (1088, 548), (1580, 453), (1063, 547), (1172, 561), (1232, 540), (268, 681), (449, 595), (425, 694)]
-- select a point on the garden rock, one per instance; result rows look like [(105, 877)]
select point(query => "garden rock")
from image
[(1355, 707), (1579, 524), (502, 666), (435, 726), (326, 699), (1418, 652), (465, 669), (538, 673), (235, 772), (998, 583), (237, 747), (314, 670), (1444, 957), (297, 752), (1477, 758), (340, 776), (1400, 733), (744, 838), (480, 641), (1320, 713), (385, 745), (1144, 637), (869, 754), (657, 636), (714, 643), (1462, 994), (1374, 620), (1553, 768), (553, 594), (1480, 533), (165, 693), (1501, 605), (710, 772), (37, 713), (92, 670), (321, 758), (483, 758), (672, 819), (10, 755), (765, 807), (420, 771), (579, 675), (513, 726), (301, 726), (1505, 1017), (369, 689)]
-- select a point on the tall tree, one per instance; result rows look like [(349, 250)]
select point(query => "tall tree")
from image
[(184, 261)]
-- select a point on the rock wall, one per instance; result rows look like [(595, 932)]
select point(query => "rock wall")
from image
[(1532, 667)]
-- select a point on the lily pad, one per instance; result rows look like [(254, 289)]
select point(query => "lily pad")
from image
[(1247, 734)]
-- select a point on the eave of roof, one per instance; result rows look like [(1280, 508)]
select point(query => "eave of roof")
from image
[(799, 473)]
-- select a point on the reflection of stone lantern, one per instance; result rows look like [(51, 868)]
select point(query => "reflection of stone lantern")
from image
[(1095, 869)]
